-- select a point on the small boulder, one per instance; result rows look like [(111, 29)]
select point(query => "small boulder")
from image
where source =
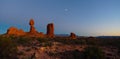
[(73, 35)]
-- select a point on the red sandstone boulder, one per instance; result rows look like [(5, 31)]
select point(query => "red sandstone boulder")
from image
[(73, 36), (15, 31), (12, 30)]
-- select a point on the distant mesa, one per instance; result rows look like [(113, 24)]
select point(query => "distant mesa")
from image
[(34, 33)]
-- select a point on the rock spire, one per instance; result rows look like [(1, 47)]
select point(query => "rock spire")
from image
[(32, 28), (50, 30)]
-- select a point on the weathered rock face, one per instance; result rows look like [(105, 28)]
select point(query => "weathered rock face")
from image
[(31, 22), (73, 36), (15, 31), (41, 34), (32, 32), (32, 28), (50, 30)]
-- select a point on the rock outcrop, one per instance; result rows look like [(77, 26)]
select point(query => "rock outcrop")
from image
[(15, 31), (50, 30), (73, 35), (34, 33), (32, 28), (31, 33)]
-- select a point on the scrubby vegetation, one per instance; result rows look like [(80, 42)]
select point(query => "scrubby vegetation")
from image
[(76, 54), (8, 46), (8, 49), (93, 53), (67, 41), (88, 53)]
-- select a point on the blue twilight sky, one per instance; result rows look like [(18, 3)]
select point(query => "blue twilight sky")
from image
[(83, 17)]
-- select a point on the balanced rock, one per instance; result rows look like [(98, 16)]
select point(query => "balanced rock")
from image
[(50, 30), (31, 22), (15, 31), (73, 35), (32, 28)]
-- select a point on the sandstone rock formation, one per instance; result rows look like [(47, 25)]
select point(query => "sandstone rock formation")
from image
[(32, 32), (50, 30), (32, 28), (73, 35), (15, 31)]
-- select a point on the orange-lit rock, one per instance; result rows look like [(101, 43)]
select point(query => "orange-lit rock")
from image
[(73, 36), (31, 22), (32, 28), (15, 31), (41, 34), (32, 32), (12, 30), (50, 30)]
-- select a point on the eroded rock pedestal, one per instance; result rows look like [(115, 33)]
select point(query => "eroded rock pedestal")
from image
[(32, 28), (33, 31), (73, 35), (50, 30)]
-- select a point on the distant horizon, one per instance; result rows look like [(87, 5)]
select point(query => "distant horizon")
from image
[(83, 17)]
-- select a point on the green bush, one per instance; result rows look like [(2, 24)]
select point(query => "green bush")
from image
[(25, 41), (8, 49), (41, 40), (70, 41), (93, 53)]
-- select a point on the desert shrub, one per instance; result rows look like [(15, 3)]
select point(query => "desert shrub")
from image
[(62, 40), (12, 37), (22, 40), (45, 41), (41, 40), (26, 41), (69, 41), (20, 53), (109, 42), (93, 53), (8, 48), (75, 54), (47, 44), (91, 41)]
